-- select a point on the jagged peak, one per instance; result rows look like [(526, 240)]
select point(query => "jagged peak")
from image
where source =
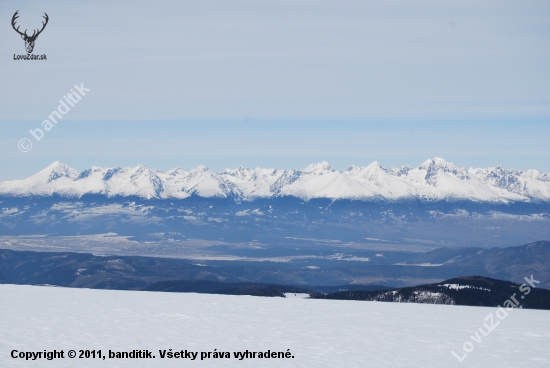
[(176, 171), (201, 168), (371, 168), (319, 168), (57, 170), (399, 171), (441, 179), (433, 166), (497, 170), (57, 165), (375, 165), (435, 162), (95, 168), (239, 170), (141, 167), (144, 170)]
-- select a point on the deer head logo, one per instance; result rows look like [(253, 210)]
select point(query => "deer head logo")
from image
[(29, 40)]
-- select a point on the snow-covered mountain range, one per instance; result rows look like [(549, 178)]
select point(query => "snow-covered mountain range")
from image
[(434, 179)]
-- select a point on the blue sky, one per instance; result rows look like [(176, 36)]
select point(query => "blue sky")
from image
[(279, 84), (285, 145)]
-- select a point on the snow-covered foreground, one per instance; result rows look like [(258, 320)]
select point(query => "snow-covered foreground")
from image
[(319, 333)]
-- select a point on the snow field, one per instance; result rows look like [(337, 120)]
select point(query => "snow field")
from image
[(319, 333)]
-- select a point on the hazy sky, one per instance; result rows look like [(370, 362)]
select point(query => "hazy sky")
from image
[(279, 83)]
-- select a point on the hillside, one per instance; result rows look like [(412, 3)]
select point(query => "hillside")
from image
[(469, 291), (325, 270)]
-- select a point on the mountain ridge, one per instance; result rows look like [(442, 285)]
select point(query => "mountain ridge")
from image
[(434, 179)]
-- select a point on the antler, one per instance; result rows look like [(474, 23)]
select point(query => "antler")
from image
[(13, 19), (34, 35)]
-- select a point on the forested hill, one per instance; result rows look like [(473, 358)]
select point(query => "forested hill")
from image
[(470, 290)]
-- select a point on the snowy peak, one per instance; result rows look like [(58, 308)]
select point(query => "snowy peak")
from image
[(530, 183), (499, 177), (434, 162), (240, 173), (145, 182), (438, 166), (56, 171), (318, 169), (434, 179), (177, 172), (373, 170), (257, 183)]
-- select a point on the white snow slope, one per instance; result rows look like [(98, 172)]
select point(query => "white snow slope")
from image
[(434, 179), (319, 333)]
